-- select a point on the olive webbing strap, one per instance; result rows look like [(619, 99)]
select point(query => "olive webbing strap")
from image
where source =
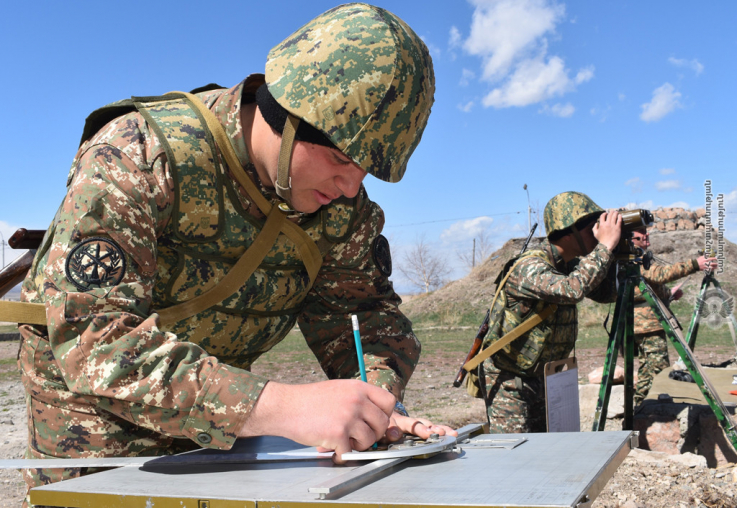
[(523, 327), (283, 182), (236, 276), (307, 248), (529, 323), (23, 312)]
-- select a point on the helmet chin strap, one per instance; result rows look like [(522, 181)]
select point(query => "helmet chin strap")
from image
[(283, 183), (579, 239)]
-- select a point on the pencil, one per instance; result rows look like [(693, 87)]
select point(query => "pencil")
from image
[(359, 348)]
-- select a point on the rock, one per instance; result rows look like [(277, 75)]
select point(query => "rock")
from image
[(661, 458), (631, 504), (595, 375), (588, 397), (677, 428), (686, 224)]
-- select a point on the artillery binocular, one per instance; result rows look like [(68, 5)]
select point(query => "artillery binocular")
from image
[(632, 220)]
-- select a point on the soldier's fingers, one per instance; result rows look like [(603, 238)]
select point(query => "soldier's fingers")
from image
[(341, 448), (362, 437), (382, 398)]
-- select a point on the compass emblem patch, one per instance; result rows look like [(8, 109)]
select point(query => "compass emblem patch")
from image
[(382, 255), (94, 263)]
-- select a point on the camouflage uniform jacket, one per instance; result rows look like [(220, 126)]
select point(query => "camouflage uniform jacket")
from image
[(538, 280), (656, 277), (103, 353)]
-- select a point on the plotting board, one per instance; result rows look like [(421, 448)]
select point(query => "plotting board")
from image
[(545, 470)]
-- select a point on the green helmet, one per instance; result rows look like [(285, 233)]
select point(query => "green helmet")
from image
[(363, 78), (566, 209)]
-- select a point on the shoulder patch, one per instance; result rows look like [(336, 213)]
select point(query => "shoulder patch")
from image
[(382, 255), (94, 263)]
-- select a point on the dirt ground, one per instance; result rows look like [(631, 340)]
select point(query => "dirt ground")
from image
[(643, 480)]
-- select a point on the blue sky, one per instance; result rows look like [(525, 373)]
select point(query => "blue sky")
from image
[(629, 102)]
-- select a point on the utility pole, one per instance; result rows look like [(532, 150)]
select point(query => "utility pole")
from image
[(3, 244), (529, 209), (473, 256)]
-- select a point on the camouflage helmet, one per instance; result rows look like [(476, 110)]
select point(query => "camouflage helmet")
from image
[(363, 78), (566, 209)]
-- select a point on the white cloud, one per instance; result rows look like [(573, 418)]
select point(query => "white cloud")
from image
[(467, 107), (647, 205), (694, 64), (584, 75), (559, 110), (454, 38), (679, 204), (665, 185), (621, 97), (665, 100), (466, 229), (634, 183), (730, 200), (667, 171), (466, 77), (503, 31), (533, 81), (511, 38)]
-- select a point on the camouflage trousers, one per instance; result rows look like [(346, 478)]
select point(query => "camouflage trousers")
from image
[(514, 404), (653, 356)]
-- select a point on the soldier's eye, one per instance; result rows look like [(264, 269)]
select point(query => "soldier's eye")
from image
[(341, 159)]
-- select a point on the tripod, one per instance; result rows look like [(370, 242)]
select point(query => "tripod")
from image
[(622, 335)]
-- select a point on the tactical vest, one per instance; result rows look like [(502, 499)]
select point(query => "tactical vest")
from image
[(553, 339), (210, 230)]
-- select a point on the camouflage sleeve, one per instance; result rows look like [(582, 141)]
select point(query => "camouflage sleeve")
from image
[(606, 292), (105, 339), (661, 274), (354, 280), (534, 278)]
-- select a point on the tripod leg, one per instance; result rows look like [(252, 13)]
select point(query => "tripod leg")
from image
[(676, 337), (693, 328), (629, 354), (607, 376)]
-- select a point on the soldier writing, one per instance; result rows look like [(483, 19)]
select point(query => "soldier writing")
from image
[(574, 263), (649, 334), (185, 248)]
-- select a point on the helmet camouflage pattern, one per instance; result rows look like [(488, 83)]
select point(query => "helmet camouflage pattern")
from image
[(567, 208), (360, 75)]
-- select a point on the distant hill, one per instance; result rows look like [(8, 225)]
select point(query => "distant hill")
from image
[(465, 301)]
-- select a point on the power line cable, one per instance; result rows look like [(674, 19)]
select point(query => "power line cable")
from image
[(450, 220)]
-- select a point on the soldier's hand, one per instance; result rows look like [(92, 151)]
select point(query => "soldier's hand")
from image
[(707, 263), (419, 427), (608, 229), (676, 294), (339, 415)]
